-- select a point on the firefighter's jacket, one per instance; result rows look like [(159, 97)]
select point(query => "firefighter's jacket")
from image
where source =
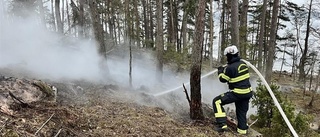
[(236, 74)]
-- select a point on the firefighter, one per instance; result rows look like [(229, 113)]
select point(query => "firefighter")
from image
[(236, 75)]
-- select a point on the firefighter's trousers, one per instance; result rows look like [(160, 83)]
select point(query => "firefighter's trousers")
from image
[(241, 103)]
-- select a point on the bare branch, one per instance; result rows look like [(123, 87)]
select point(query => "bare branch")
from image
[(315, 32), (58, 132), (5, 123), (185, 91), (19, 100), (44, 124)]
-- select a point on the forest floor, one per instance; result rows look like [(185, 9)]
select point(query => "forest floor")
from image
[(84, 109), (300, 98)]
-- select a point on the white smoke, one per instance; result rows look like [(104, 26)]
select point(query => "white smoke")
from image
[(27, 46)]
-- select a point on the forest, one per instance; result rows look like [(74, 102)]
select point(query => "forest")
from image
[(279, 37), (289, 32)]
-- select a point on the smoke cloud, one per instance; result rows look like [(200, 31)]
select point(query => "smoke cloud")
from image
[(27, 46)]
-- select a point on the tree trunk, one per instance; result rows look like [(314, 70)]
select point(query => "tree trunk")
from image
[(146, 22), (172, 26), (261, 34), (195, 75), (283, 59), (303, 58), (127, 20), (62, 13), (184, 23), (272, 42), (315, 90), (68, 18), (243, 29), (297, 27), (159, 39), (235, 22), (110, 23), (293, 68), (151, 26), (223, 34), (81, 18), (54, 27), (119, 30), (130, 65), (312, 69), (211, 34), (97, 27), (58, 16), (115, 20), (137, 24), (41, 12)]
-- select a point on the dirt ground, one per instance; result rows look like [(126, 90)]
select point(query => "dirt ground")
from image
[(83, 109), (300, 98)]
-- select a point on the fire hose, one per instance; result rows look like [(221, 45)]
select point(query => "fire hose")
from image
[(294, 133)]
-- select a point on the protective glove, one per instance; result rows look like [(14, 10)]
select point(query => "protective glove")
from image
[(220, 69)]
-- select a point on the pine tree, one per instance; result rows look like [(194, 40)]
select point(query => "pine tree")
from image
[(270, 121)]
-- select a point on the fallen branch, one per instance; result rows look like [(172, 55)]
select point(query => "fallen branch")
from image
[(5, 123), (187, 95), (253, 122), (43, 124), (58, 132), (5, 110), (23, 104)]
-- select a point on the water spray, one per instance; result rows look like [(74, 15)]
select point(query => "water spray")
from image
[(188, 83), (264, 82)]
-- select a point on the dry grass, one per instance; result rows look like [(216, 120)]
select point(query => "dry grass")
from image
[(97, 110), (86, 109), (300, 98)]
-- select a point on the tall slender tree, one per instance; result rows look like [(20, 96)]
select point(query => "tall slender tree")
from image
[(243, 29), (185, 23), (303, 58), (223, 32), (262, 33), (310, 104), (195, 74), (272, 42), (137, 23), (97, 27), (81, 18), (172, 26), (145, 22), (159, 39), (234, 22), (151, 18), (58, 16), (211, 34)]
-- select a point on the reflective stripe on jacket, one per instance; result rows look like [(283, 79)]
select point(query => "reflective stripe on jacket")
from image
[(236, 74)]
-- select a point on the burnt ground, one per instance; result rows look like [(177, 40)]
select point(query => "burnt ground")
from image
[(84, 109)]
